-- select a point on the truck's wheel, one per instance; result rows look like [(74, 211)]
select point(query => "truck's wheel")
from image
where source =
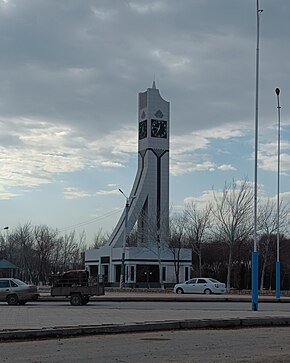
[(12, 300), (85, 299), (76, 299), (22, 302)]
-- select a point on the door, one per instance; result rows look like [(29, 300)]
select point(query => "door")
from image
[(201, 285), (105, 272), (190, 286), (4, 289)]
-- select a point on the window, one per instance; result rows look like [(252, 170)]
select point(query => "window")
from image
[(186, 274), (4, 283), (13, 284), (163, 273), (213, 280), (105, 259), (19, 282), (126, 273), (192, 281), (201, 281), (132, 273)]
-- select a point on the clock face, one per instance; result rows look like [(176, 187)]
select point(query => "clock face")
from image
[(159, 128), (142, 129)]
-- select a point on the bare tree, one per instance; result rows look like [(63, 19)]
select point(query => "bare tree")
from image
[(267, 223), (45, 241), (197, 227), (177, 241), (100, 239), (232, 211), (69, 250), (24, 239)]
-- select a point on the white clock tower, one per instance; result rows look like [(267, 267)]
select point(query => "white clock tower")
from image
[(149, 198), (150, 263)]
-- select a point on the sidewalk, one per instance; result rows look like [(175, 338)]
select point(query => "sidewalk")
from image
[(57, 318)]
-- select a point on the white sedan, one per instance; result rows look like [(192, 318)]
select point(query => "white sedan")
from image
[(200, 285)]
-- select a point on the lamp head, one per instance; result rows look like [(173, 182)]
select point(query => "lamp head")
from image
[(277, 90)]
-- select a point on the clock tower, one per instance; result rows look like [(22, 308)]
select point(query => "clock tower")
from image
[(149, 199)]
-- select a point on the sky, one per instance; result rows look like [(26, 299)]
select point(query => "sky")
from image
[(70, 74)]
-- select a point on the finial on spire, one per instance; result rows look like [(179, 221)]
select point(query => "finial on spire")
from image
[(154, 84)]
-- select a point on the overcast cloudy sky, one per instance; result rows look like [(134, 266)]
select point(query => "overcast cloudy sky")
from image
[(70, 73)]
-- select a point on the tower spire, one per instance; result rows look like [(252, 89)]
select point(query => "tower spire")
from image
[(154, 84)]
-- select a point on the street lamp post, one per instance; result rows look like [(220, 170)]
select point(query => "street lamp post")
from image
[(122, 275), (277, 90), (1, 229), (6, 228), (255, 252)]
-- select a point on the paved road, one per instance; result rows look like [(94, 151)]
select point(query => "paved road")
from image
[(46, 315), (58, 318), (191, 305), (266, 345)]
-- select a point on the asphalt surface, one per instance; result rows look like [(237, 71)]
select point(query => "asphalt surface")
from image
[(55, 317)]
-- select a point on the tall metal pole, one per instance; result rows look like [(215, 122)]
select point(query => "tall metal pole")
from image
[(122, 275), (277, 90), (255, 252)]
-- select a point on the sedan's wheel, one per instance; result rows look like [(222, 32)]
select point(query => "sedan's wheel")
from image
[(179, 291), (76, 299), (12, 300), (207, 291)]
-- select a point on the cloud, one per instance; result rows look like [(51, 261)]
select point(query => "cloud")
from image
[(226, 167), (201, 201), (207, 197), (111, 164), (187, 143), (268, 157), (38, 150), (225, 132), (74, 193), (5, 194), (103, 14), (108, 192), (35, 151), (192, 152), (178, 168), (146, 7), (170, 60)]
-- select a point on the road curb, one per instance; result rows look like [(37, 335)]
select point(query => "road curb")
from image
[(61, 332)]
